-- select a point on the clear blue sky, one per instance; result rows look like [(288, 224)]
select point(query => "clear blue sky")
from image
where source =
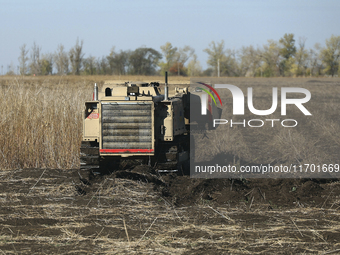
[(130, 24)]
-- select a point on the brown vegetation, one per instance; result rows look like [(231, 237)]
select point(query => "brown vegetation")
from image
[(41, 118), (50, 211), (41, 122)]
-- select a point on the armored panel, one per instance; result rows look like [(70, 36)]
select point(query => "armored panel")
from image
[(127, 128)]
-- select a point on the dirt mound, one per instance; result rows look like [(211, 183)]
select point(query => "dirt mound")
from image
[(280, 192), (184, 191)]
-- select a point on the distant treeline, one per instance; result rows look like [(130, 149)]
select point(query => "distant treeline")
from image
[(276, 58)]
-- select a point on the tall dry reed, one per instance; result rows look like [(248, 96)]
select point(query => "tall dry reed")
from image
[(41, 121), (41, 118)]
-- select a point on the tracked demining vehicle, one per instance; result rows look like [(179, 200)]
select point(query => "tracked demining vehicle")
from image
[(135, 122)]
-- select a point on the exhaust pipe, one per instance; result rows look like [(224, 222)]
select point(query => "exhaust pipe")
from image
[(95, 92), (166, 87)]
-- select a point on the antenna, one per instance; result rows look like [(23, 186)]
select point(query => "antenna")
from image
[(166, 87)]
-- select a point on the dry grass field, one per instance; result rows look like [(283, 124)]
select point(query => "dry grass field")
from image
[(41, 118), (45, 209)]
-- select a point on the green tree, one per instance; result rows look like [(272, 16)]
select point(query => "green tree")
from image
[(288, 48), (144, 61), (46, 64), (330, 55), (287, 51)]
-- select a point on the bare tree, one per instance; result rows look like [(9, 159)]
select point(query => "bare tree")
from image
[(35, 64), (301, 58), (194, 67), (222, 61), (169, 53), (76, 57), (229, 64), (216, 54), (314, 60), (23, 60), (10, 69), (250, 60), (182, 56), (61, 60)]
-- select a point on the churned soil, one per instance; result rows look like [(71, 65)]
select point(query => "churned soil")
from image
[(45, 211)]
